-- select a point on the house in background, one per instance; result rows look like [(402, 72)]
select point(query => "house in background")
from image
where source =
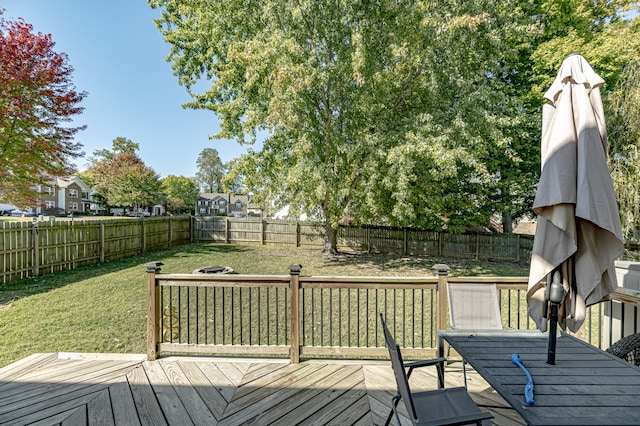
[(66, 195), (217, 204)]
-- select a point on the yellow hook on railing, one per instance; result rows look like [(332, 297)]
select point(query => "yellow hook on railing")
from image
[(170, 324)]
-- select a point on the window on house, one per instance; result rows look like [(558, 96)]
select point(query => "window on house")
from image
[(50, 204), (85, 195), (73, 206), (73, 193), (50, 191), (223, 203), (238, 204)]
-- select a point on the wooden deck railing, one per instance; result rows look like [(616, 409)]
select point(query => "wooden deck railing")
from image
[(305, 316)]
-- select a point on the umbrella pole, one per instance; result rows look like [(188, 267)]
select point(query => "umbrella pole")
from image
[(556, 294)]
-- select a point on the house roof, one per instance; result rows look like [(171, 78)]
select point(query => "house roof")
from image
[(64, 182)]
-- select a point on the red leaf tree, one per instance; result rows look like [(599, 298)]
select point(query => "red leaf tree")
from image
[(37, 103)]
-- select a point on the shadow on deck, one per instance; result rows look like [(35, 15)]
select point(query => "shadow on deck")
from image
[(53, 389)]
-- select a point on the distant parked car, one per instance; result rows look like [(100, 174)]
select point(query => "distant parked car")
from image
[(22, 213), (7, 212)]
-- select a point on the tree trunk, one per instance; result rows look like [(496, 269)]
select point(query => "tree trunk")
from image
[(507, 223), (330, 240)]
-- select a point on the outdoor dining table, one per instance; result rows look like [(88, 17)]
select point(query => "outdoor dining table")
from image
[(586, 386)]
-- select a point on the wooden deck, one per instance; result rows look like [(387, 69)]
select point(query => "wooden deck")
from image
[(87, 389)]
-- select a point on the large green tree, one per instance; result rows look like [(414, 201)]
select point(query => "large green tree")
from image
[(37, 101), (211, 170), (181, 193), (376, 110), (121, 178), (126, 181)]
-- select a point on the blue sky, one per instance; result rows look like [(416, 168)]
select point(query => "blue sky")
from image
[(118, 56)]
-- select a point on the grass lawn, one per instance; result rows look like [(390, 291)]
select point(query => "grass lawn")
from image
[(102, 308)]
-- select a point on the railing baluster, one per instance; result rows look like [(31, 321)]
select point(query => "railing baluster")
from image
[(197, 316), (206, 315)]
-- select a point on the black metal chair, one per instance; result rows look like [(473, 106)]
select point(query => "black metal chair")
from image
[(627, 348), (451, 406)]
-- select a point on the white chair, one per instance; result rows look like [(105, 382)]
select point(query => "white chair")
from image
[(473, 307)]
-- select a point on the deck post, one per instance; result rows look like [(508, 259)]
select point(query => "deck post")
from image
[(441, 291), (153, 309), (294, 288)]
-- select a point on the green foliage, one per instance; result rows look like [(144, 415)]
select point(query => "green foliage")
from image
[(210, 171), (122, 179), (181, 193), (624, 146), (135, 185), (420, 113), (368, 108), (611, 45)]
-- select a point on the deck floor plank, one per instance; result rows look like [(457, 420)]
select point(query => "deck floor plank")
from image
[(79, 389), (37, 394), (208, 391), (55, 420), (226, 386), (24, 366), (348, 397), (305, 401), (123, 405), (236, 372), (100, 411), (34, 390), (148, 408), (191, 400), (315, 402), (59, 404), (257, 397), (172, 407), (77, 418), (354, 412)]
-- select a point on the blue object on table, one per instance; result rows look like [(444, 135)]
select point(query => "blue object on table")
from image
[(528, 389)]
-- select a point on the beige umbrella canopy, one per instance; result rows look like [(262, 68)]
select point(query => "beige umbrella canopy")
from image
[(578, 230)]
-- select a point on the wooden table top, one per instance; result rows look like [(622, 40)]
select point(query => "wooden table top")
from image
[(586, 386)]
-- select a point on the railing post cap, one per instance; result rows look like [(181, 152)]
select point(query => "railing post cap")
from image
[(441, 268), (153, 266), (295, 268)]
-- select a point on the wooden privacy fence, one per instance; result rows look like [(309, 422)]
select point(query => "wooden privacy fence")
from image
[(298, 316), (33, 248), (30, 249), (511, 247)]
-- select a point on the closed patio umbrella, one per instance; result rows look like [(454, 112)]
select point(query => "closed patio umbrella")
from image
[(578, 231)]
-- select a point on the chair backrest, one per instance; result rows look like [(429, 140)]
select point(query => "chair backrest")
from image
[(474, 306), (398, 370)]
